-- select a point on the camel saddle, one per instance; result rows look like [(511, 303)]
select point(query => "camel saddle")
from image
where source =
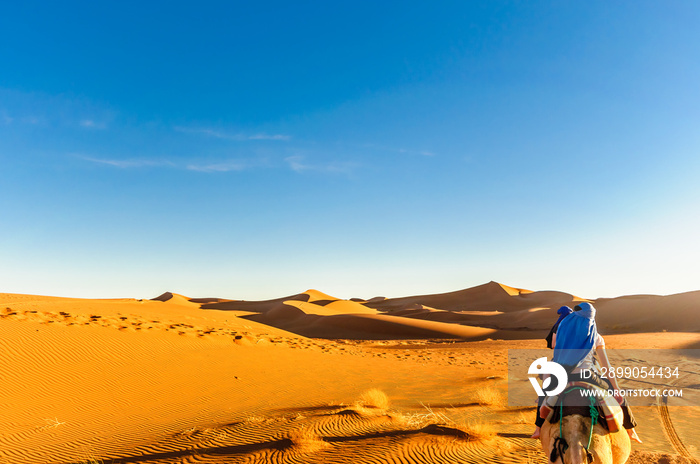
[(576, 403)]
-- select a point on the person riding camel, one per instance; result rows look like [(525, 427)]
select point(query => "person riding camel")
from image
[(551, 339), (563, 312), (576, 346)]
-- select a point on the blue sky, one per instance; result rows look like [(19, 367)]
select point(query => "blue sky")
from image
[(252, 150)]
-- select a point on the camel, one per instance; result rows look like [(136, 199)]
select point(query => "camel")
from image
[(606, 448)]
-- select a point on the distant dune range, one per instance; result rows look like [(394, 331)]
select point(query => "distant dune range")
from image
[(491, 310)]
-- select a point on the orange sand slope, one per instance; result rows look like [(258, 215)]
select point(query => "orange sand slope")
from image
[(164, 381)]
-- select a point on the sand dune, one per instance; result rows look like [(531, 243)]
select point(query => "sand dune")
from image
[(488, 297), (123, 381), (211, 380), (629, 314), (334, 319), (506, 312), (330, 307), (366, 326), (504, 308)]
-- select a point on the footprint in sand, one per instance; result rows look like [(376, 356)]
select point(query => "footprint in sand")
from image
[(7, 312)]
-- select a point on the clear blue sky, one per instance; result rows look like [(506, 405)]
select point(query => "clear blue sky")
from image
[(252, 150)]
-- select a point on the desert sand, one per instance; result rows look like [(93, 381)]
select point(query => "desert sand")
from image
[(306, 378)]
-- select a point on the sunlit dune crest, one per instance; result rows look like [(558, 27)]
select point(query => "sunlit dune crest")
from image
[(512, 291), (331, 308), (315, 295)]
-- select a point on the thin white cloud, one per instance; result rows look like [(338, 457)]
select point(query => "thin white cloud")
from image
[(91, 124), (229, 136), (297, 164), (52, 111), (225, 166), (415, 152), (127, 163), (219, 167), (6, 119), (405, 151), (263, 136)]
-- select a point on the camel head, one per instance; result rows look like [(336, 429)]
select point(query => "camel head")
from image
[(576, 430), (605, 448)]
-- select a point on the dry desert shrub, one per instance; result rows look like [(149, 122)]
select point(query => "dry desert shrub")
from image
[(255, 419), (437, 421), (51, 423), (374, 399), (90, 460), (490, 396), (187, 433), (420, 420), (306, 440), (478, 431)]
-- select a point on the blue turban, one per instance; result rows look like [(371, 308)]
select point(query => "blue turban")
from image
[(576, 336), (563, 312)]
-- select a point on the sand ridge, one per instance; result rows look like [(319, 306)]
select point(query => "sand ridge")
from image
[(491, 310)]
